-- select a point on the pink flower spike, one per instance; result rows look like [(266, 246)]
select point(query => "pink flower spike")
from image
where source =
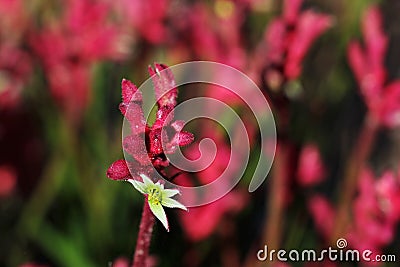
[(164, 85), (275, 38), (323, 214), (135, 117), (375, 39), (135, 146), (369, 70), (130, 90), (387, 190), (291, 10), (163, 116), (357, 61), (390, 106), (310, 25), (119, 170), (311, 169)]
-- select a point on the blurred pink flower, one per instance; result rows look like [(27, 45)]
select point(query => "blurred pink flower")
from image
[(211, 32), (203, 221), (70, 46), (70, 86), (374, 220), (202, 33), (368, 64), (388, 195), (148, 18), (121, 262), (309, 26), (8, 180), (15, 64), (323, 214), (223, 157), (15, 71), (311, 169), (14, 20), (291, 10), (275, 37), (290, 36)]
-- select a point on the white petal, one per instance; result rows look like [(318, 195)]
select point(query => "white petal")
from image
[(170, 192), (160, 185), (139, 186), (172, 203), (159, 212)]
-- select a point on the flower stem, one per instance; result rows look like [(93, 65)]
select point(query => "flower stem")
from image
[(272, 233), (144, 237), (277, 197), (358, 157)]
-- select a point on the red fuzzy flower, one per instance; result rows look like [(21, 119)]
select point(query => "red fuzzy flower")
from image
[(148, 144)]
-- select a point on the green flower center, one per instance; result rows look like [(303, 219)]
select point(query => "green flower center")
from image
[(155, 196)]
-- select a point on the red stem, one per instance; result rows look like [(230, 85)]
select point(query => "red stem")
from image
[(144, 237)]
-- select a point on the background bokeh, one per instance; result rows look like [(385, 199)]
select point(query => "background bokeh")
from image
[(336, 106)]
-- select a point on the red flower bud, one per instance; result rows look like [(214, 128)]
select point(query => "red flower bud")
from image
[(119, 170)]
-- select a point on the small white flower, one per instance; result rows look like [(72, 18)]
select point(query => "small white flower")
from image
[(157, 197)]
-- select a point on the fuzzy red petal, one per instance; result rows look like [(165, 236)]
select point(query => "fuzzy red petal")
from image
[(135, 146), (164, 85), (135, 117), (162, 115), (119, 170), (156, 137), (130, 92), (185, 138)]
